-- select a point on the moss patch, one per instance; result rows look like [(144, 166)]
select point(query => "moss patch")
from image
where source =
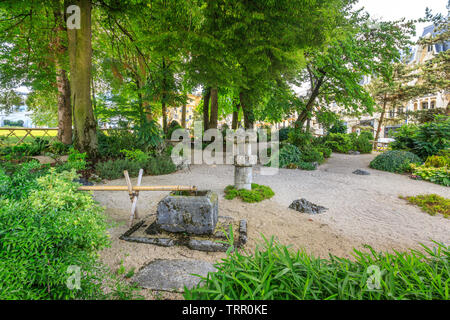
[(257, 194), (431, 204)]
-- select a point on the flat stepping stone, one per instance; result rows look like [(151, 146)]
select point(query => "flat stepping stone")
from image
[(172, 275), (361, 172)]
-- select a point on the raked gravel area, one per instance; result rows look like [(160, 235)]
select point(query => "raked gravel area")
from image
[(361, 210)]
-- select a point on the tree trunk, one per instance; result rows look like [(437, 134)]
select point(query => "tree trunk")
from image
[(164, 97), (80, 54), (214, 115), (249, 117), (206, 98), (304, 115), (62, 82), (64, 107), (183, 116), (235, 121), (380, 123)]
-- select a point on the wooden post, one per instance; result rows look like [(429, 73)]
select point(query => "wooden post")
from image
[(134, 210)]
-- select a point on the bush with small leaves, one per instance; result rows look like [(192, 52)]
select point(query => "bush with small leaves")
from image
[(397, 161)]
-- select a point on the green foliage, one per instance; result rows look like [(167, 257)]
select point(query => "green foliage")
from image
[(283, 134), (288, 154), (404, 138), (312, 155), (113, 169), (362, 143), (300, 139), (437, 161), (58, 148), (432, 137), (135, 155), (325, 151), (275, 272), (257, 194), (76, 160), (397, 161), (435, 175), (338, 127), (19, 183), (173, 126), (111, 144), (432, 204), (339, 142), (55, 227), (425, 140)]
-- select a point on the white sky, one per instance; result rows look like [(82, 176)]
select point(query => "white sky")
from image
[(397, 9)]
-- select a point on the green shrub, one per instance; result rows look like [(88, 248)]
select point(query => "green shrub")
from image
[(76, 160), (113, 169), (437, 161), (338, 127), (362, 144), (19, 183), (135, 155), (325, 151), (368, 135), (283, 134), (432, 204), (339, 142), (300, 139), (275, 272), (432, 137), (435, 175), (288, 154), (42, 236), (404, 138), (173, 126), (58, 148), (425, 140), (312, 155), (257, 194), (397, 161), (111, 144)]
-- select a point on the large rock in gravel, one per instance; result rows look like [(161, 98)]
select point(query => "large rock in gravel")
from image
[(172, 275), (305, 206), (194, 214), (361, 172)]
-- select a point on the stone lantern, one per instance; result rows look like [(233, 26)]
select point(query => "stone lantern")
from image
[(243, 158)]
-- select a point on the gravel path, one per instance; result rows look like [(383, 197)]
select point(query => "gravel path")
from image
[(362, 210)]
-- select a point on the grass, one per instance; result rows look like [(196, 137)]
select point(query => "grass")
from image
[(21, 132), (257, 194), (432, 204), (277, 273)]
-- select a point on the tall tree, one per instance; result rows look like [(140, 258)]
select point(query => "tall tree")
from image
[(360, 47), (80, 53)]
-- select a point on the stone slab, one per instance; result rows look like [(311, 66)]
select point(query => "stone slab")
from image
[(172, 275), (305, 206)]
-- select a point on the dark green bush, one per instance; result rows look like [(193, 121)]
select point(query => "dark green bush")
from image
[(174, 125), (397, 161), (288, 154), (283, 134), (111, 144), (338, 127), (425, 140), (312, 155), (276, 272), (300, 139), (257, 194)]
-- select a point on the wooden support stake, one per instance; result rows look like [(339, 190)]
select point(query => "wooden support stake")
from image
[(134, 211)]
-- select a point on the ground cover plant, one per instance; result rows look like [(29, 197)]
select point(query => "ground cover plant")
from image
[(274, 272), (432, 204), (257, 194), (397, 161)]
